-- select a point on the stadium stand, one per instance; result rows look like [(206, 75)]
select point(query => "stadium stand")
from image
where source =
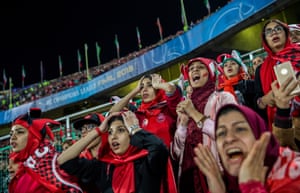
[(218, 40)]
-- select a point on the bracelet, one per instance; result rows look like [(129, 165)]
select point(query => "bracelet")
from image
[(200, 123), (98, 131), (259, 102)]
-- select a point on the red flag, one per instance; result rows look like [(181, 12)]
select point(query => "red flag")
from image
[(159, 28), (42, 71), (60, 66), (79, 61)]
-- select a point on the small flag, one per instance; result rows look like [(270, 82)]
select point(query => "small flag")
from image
[(23, 75), (87, 61), (117, 46), (60, 66), (159, 28), (42, 71), (183, 17), (10, 93), (61, 133), (138, 38), (79, 60), (98, 50), (4, 79), (207, 5)]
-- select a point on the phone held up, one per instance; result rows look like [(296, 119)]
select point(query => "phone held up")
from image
[(283, 71)]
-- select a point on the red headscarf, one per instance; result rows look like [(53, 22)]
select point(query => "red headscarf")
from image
[(160, 98), (123, 176), (41, 169), (38, 129), (290, 52), (258, 127)]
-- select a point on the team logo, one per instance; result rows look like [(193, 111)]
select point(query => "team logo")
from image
[(161, 118), (145, 122)]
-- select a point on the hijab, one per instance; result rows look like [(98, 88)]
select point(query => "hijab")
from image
[(199, 98), (258, 127), (290, 52)]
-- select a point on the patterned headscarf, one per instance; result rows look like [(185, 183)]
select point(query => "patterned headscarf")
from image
[(38, 129), (290, 52)]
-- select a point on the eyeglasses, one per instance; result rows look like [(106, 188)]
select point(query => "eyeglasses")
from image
[(277, 29), (88, 127)]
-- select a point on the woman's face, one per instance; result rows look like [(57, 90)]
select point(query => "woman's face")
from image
[(147, 92), (118, 137), (234, 139), (198, 74), (231, 68), (12, 168), (295, 36), (275, 36), (18, 138), (256, 62)]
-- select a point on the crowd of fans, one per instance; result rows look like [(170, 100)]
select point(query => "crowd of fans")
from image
[(49, 87), (224, 127)]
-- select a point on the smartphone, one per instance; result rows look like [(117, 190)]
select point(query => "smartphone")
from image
[(283, 71)]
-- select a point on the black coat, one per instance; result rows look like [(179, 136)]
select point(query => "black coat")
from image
[(148, 170)]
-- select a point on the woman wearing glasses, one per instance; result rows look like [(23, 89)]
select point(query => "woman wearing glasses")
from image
[(276, 42)]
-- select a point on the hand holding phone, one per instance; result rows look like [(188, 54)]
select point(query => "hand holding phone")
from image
[(284, 71)]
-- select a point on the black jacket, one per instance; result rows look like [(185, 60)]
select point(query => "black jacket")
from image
[(148, 170)]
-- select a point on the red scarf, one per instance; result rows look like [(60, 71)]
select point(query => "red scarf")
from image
[(123, 176), (152, 106), (291, 52), (41, 169), (227, 84)]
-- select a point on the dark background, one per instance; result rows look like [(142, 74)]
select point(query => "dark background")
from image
[(34, 31)]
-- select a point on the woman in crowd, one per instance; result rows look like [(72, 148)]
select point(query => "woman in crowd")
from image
[(251, 157), (196, 121), (157, 112), (277, 44), (130, 158), (235, 79), (34, 156), (295, 33), (256, 62)]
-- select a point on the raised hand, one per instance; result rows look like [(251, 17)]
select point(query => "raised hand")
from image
[(103, 127), (282, 95), (253, 167), (209, 167)]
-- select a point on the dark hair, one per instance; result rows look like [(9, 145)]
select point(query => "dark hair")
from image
[(147, 76), (224, 111), (284, 25), (115, 118)]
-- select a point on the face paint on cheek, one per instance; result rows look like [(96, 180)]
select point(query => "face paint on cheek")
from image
[(205, 74)]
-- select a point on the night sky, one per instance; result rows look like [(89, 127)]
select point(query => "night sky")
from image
[(34, 31)]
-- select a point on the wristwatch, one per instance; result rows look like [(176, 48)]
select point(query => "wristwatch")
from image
[(201, 122), (132, 128)]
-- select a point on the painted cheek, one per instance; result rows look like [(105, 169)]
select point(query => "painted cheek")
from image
[(205, 74)]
